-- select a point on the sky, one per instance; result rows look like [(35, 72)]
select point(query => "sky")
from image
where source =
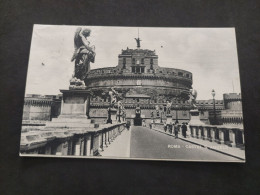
[(209, 53)]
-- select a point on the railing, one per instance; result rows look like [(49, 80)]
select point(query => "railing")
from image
[(70, 142), (230, 135)]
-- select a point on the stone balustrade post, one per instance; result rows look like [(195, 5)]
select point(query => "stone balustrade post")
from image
[(215, 134), (211, 133), (221, 136), (115, 132), (109, 136), (112, 135), (81, 146), (85, 145), (202, 133), (206, 133), (91, 144), (192, 131), (243, 137), (232, 137), (77, 146), (100, 141), (106, 138), (70, 146), (57, 149), (197, 131), (47, 149)]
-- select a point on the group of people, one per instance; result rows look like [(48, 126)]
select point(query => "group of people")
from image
[(175, 127)]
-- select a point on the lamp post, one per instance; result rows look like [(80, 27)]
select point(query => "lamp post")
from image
[(119, 104), (161, 114), (176, 114), (119, 110), (213, 93)]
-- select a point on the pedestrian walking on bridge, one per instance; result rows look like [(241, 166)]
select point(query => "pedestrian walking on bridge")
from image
[(184, 129), (176, 129), (170, 128)]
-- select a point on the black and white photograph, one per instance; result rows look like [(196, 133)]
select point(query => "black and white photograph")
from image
[(136, 93)]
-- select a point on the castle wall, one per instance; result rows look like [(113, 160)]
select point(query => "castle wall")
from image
[(37, 112), (100, 115), (42, 108), (233, 109), (135, 82)]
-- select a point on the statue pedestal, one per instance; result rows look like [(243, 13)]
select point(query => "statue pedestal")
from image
[(195, 118), (168, 119), (74, 111), (112, 115)]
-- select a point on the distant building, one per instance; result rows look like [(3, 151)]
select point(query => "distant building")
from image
[(41, 108), (232, 114)]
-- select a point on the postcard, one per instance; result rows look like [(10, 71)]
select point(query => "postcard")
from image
[(136, 93)]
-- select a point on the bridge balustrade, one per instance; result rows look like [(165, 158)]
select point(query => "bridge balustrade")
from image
[(221, 134), (232, 136), (74, 142)]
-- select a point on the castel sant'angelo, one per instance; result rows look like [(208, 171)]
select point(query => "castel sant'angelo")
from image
[(143, 84)]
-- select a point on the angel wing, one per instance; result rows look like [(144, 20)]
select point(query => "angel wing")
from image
[(77, 38), (195, 93)]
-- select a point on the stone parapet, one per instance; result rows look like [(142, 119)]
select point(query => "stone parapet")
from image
[(64, 142), (232, 136)]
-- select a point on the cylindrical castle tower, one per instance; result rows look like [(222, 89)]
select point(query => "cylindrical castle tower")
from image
[(139, 73)]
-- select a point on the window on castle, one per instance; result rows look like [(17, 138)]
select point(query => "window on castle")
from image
[(133, 61), (137, 69), (187, 75), (180, 74), (124, 63), (151, 63), (142, 61)]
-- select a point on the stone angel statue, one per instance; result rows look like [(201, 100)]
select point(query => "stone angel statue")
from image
[(193, 96), (113, 96), (83, 54), (168, 107)]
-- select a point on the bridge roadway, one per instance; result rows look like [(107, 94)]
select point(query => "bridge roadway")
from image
[(147, 143)]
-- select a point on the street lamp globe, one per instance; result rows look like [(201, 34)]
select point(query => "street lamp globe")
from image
[(213, 93)]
